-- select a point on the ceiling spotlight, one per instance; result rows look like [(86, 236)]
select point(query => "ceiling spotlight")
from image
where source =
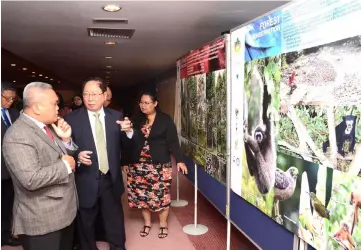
[(24, 68), (14, 81), (111, 8), (32, 72), (13, 64), (46, 77), (40, 75), (109, 66), (51, 79), (108, 57), (110, 43)]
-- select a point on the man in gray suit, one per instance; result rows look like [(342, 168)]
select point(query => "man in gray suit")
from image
[(38, 159)]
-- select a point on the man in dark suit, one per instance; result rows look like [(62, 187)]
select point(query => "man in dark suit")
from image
[(98, 176), (8, 117)]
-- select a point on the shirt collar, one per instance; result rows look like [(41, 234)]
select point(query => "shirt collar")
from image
[(100, 112), (40, 124)]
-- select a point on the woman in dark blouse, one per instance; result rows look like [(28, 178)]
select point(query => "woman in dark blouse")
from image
[(149, 176)]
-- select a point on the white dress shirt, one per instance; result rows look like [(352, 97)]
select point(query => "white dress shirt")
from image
[(67, 145)]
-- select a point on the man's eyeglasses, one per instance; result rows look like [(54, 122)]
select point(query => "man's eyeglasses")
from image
[(9, 98), (92, 95)]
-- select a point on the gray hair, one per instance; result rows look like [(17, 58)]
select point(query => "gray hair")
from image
[(27, 94)]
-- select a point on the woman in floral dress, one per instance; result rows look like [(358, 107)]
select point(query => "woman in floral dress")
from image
[(149, 177)]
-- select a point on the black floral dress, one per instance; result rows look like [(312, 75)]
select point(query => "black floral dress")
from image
[(149, 184)]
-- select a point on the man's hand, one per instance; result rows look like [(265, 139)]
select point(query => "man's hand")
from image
[(126, 125), (84, 157), (70, 160), (63, 130)]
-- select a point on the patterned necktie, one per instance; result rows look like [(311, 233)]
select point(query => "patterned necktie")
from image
[(101, 146), (50, 135), (47, 130), (5, 117)]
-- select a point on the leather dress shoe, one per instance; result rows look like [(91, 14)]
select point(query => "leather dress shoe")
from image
[(13, 242)]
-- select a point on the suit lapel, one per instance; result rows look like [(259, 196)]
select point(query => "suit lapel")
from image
[(41, 133), (59, 142), (13, 115), (88, 133), (3, 126), (108, 125)]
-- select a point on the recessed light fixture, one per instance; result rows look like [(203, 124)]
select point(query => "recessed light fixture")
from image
[(32, 72), (111, 8), (13, 64), (108, 57), (14, 81), (51, 79), (40, 75), (46, 77), (24, 68), (107, 72), (110, 43), (109, 66)]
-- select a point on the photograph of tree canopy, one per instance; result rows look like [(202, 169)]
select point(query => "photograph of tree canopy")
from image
[(204, 119)]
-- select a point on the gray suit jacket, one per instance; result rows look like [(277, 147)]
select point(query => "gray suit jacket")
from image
[(45, 194)]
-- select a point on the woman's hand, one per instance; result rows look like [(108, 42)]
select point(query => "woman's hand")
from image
[(125, 169), (183, 167)]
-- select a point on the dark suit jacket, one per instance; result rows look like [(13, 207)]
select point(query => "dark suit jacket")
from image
[(14, 114), (162, 140), (87, 176)]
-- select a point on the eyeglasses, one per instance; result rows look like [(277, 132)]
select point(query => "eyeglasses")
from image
[(92, 95), (9, 98), (145, 103)]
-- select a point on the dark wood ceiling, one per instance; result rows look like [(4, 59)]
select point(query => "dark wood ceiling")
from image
[(25, 72)]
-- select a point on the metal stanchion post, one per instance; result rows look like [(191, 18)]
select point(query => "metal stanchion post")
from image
[(178, 202), (195, 229)]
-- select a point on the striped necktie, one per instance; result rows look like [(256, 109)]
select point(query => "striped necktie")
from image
[(5, 117)]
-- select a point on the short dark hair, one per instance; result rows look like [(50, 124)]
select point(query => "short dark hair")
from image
[(7, 86), (101, 85), (152, 93)]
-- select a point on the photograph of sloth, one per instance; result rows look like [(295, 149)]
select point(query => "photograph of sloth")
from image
[(261, 89), (306, 131)]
